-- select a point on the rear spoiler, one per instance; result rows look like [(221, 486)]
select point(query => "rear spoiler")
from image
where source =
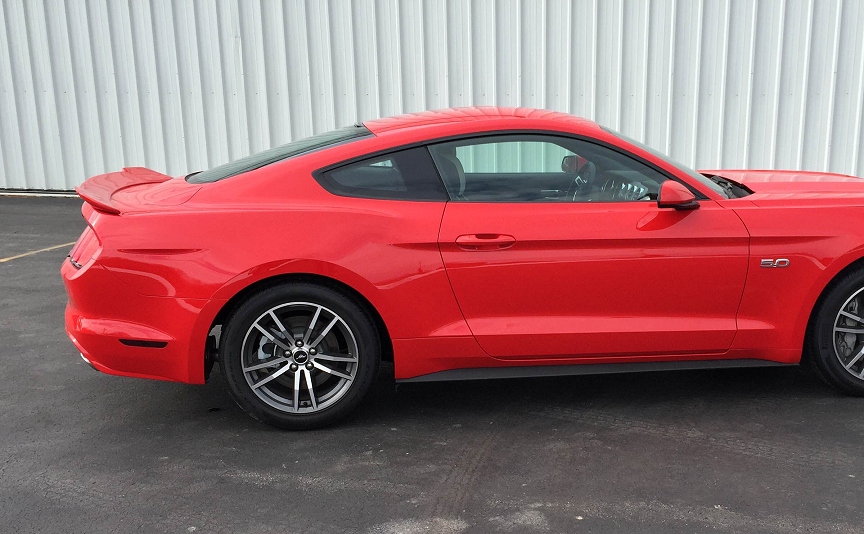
[(99, 190)]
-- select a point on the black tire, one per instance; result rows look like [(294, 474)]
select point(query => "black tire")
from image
[(265, 405), (822, 342)]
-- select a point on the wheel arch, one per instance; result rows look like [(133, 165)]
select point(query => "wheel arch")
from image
[(262, 284), (855, 264)]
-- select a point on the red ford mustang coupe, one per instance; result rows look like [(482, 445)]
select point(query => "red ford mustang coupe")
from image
[(462, 244)]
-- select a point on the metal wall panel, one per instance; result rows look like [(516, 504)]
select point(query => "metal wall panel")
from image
[(90, 86)]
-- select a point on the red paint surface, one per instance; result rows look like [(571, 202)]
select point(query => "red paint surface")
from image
[(462, 285)]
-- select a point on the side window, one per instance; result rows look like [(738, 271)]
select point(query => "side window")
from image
[(541, 168), (404, 175)]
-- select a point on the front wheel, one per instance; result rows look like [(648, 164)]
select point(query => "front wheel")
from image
[(836, 341), (299, 356)]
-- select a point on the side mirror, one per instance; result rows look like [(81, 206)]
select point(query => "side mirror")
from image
[(675, 195), (570, 164)]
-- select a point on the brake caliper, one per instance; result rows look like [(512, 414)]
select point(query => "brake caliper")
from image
[(846, 341)]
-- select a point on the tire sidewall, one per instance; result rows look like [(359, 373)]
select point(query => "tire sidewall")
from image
[(234, 333), (826, 361)]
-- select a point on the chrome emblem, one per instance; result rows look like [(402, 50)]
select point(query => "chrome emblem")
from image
[(774, 264)]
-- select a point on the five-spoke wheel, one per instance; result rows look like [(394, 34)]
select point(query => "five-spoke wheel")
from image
[(836, 337), (300, 355), (849, 335)]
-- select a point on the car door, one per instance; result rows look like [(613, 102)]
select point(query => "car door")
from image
[(584, 264)]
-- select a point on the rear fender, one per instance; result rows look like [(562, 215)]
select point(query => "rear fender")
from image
[(302, 266)]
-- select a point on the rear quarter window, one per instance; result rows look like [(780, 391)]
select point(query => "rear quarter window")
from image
[(403, 175)]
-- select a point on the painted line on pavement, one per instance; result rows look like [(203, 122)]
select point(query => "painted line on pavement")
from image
[(5, 193), (55, 247)]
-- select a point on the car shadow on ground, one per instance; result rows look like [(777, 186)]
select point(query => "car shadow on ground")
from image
[(389, 403)]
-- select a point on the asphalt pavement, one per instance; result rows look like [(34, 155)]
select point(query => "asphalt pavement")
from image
[(744, 451)]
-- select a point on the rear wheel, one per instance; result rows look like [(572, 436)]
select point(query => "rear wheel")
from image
[(837, 335), (299, 356)]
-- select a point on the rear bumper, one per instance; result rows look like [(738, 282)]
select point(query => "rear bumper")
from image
[(122, 332)]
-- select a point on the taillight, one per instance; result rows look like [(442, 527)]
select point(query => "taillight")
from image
[(85, 249)]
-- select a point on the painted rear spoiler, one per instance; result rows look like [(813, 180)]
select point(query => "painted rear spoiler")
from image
[(99, 190)]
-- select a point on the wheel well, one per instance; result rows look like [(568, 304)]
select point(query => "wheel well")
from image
[(855, 265), (261, 285)]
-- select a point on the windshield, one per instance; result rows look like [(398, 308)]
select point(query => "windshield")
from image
[(279, 153), (696, 176)]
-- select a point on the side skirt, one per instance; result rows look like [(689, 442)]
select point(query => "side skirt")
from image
[(484, 373)]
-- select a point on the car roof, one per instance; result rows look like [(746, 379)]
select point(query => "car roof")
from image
[(471, 117)]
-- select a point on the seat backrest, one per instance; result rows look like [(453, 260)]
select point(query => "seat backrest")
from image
[(453, 171)]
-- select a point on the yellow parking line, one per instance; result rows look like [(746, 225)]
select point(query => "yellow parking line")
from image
[(55, 247)]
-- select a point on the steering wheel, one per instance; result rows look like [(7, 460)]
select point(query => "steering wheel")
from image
[(583, 181), (616, 189)]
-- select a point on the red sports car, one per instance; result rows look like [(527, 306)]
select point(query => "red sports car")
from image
[(462, 244)]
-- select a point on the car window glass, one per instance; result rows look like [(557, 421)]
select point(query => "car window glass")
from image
[(512, 157), (542, 168), (403, 175), (701, 178)]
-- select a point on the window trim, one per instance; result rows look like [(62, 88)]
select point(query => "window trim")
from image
[(476, 135)]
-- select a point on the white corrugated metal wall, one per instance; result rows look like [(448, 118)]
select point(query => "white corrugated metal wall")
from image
[(92, 86)]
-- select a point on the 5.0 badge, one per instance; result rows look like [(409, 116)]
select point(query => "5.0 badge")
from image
[(778, 263)]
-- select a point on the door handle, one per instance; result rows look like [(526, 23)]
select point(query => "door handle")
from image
[(485, 241)]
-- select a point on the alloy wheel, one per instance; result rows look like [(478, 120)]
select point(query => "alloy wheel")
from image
[(300, 357), (848, 335)]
